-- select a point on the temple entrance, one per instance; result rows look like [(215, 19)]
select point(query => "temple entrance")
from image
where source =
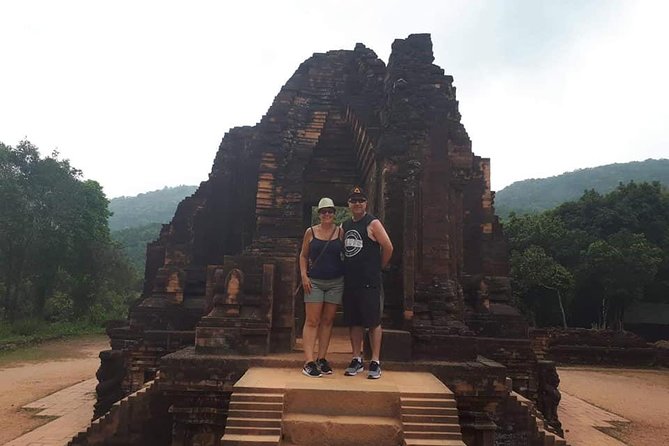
[(331, 172)]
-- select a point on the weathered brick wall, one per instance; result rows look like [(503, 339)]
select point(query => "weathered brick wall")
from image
[(583, 346)]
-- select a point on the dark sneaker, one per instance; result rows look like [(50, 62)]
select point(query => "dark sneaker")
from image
[(374, 370), (354, 367), (311, 369), (324, 366)]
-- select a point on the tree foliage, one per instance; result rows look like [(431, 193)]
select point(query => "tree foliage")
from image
[(533, 268), (54, 238), (134, 241), (600, 253)]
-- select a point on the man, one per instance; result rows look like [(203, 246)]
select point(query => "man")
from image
[(367, 249)]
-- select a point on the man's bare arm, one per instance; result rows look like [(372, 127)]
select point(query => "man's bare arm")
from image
[(378, 233)]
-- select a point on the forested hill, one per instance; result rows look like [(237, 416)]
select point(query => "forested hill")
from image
[(136, 221), (151, 207), (535, 195)]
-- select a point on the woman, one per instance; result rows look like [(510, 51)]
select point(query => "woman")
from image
[(322, 272)]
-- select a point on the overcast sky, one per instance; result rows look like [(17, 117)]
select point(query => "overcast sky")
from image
[(138, 94)]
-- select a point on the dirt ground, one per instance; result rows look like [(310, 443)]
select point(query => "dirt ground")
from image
[(639, 395), (30, 374)]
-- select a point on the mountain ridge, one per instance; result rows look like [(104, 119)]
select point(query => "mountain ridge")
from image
[(540, 194), (155, 206)]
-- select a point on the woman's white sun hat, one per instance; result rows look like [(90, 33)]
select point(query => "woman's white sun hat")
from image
[(325, 203)]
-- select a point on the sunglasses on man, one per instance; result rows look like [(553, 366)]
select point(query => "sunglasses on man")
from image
[(356, 200)]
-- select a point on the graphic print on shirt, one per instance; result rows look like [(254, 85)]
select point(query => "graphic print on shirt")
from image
[(352, 243)]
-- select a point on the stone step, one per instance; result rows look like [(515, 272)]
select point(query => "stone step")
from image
[(254, 405), (548, 440), (251, 413), (339, 157), (431, 427), (345, 168), (253, 422), (250, 440), (432, 442), (339, 395), (423, 410), (433, 435), (329, 162), (244, 430), (433, 395), (422, 418), (427, 402), (258, 390), (341, 430), (256, 397)]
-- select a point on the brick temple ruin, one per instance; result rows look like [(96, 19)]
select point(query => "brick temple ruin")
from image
[(218, 302)]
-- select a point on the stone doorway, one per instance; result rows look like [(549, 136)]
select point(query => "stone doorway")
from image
[(332, 172)]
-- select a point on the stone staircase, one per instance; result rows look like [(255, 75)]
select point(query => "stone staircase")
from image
[(123, 424), (282, 407), (254, 417), (430, 419), (342, 415), (544, 436)]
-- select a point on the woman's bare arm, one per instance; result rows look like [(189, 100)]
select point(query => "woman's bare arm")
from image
[(304, 260)]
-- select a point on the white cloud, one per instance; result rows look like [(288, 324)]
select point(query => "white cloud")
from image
[(600, 99), (139, 94)]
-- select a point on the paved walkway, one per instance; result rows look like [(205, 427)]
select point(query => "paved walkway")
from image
[(582, 422), (72, 408)]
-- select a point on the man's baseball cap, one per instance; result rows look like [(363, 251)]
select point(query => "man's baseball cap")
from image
[(357, 192)]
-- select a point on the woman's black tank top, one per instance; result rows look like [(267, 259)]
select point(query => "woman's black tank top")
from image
[(329, 265)]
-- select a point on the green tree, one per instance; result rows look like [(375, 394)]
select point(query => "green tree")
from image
[(17, 221), (134, 241), (54, 190), (54, 238), (614, 246), (533, 268), (622, 265)]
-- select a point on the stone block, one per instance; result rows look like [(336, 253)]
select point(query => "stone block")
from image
[(395, 345)]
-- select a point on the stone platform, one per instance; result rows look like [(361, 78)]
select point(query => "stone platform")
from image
[(188, 369), (282, 406), (391, 381), (203, 390), (264, 400)]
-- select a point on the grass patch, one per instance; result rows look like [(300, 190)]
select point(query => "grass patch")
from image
[(29, 332), (60, 349)]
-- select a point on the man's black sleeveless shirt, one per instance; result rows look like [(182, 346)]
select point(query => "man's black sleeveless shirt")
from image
[(362, 255)]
